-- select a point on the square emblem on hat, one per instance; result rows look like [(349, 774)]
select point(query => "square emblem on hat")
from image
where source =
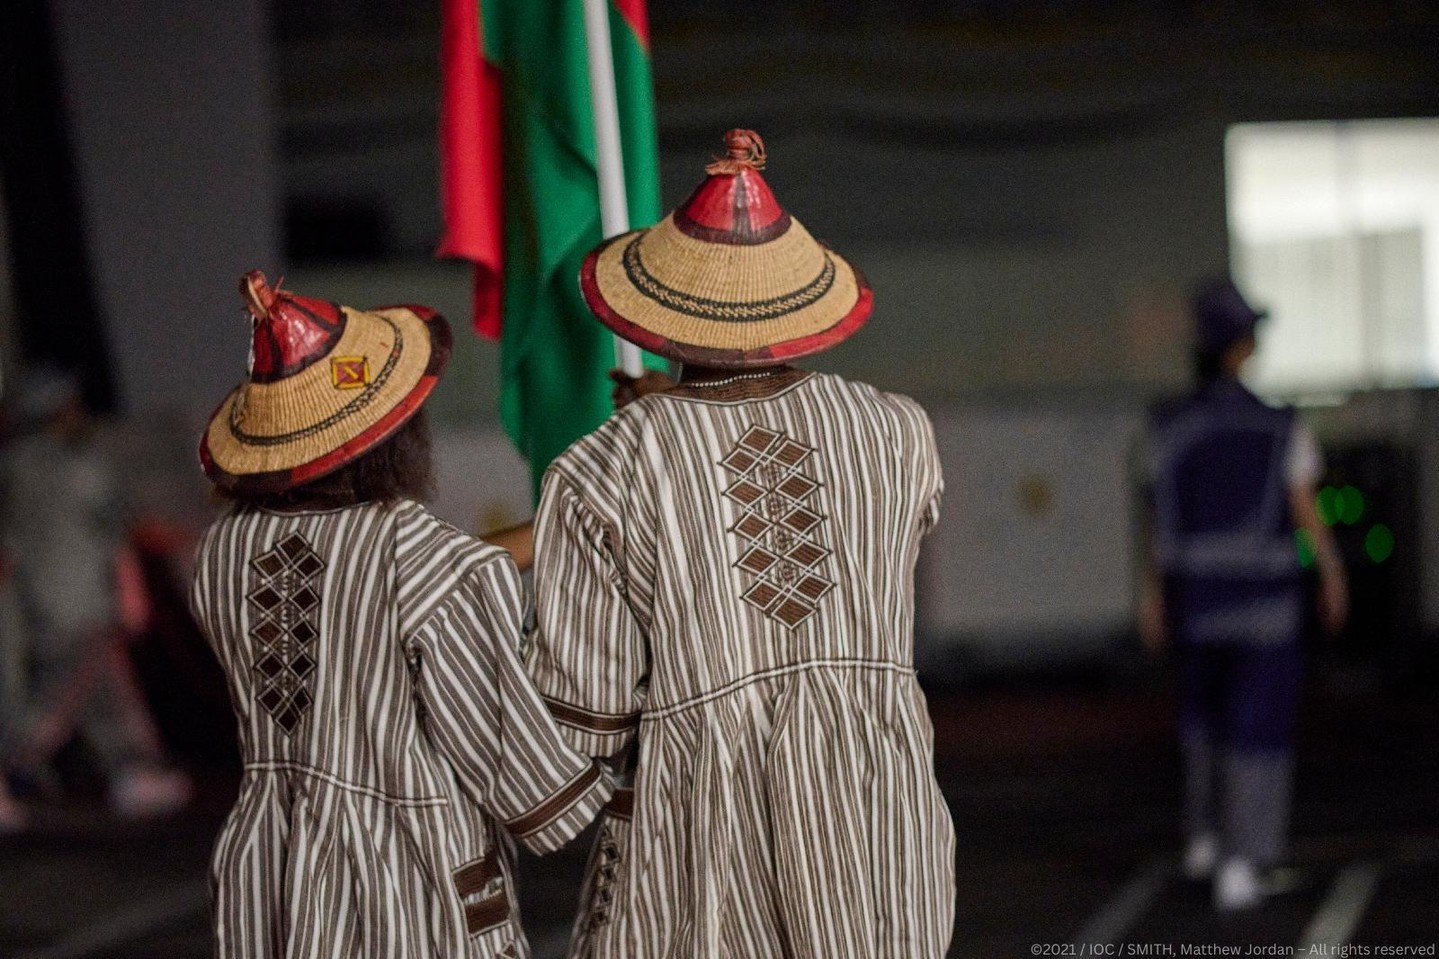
[(349, 372)]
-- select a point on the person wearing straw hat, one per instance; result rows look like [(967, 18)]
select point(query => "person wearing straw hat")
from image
[(724, 590), (390, 735)]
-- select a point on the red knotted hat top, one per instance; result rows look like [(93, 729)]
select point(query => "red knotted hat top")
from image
[(290, 331), (729, 279), (734, 204)]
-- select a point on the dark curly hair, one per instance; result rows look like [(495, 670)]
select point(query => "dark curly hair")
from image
[(402, 467)]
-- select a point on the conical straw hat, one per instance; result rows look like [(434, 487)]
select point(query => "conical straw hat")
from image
[(326, 384), (729, 279)]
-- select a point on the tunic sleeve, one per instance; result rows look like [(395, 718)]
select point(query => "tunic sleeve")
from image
[(588, 658), (199, 596), (930, 474), (483, 715), (930, 518)]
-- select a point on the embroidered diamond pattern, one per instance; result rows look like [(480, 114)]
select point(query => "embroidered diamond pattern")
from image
[(305, 599), (762, 594), (265, 599), (802, 520), (758, 438), (302, 665), (777, 527), (806, 554), (757, 560), (607, 870), (284, 603), (744, 492), (750, 526), (267, 632), (269, 666), (308, 565), (738, 460), (798, 486)]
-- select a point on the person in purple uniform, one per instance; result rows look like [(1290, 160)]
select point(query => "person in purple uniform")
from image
[(1232, 481)]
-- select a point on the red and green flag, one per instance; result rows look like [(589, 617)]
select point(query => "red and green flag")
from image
[(521, 198)]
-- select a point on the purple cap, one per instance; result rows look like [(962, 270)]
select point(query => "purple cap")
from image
[(1222, 315)]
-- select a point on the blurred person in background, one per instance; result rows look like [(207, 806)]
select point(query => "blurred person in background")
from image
[(80, 596), (1233, 479)]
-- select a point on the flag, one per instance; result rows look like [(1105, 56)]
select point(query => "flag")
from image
[(521, 198)]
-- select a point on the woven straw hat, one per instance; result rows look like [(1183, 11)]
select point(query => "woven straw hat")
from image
[(327, 383), (729, 279)]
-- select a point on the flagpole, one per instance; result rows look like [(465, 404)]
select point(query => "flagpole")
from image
[(614, 205)]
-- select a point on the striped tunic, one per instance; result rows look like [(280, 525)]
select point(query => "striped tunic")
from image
[(388, 729), (725, 575)]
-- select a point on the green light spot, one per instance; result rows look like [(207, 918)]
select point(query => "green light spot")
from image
[(1327, 502), (1304, 544), (1351, 505), (1379, 543)]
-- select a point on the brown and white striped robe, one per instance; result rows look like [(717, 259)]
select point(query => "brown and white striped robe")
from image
[(727, 574), (388, 729)]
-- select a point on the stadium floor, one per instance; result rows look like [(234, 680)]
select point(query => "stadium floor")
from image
[(1064, 800)]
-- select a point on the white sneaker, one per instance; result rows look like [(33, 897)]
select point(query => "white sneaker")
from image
[(1201, 855), (1237, 886)]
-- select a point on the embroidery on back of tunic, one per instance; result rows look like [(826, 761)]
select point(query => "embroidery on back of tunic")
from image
[(777, 528), (607, 867), (285, 606)]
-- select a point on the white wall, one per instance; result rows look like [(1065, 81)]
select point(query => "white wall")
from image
[(1355, 205), (1034, 557)]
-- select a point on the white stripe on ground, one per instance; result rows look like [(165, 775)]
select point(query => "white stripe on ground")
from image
[(1117, 916), (1338, 916), (144, 916)]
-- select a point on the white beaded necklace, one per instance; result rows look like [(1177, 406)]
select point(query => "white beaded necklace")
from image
[(706, 384)]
